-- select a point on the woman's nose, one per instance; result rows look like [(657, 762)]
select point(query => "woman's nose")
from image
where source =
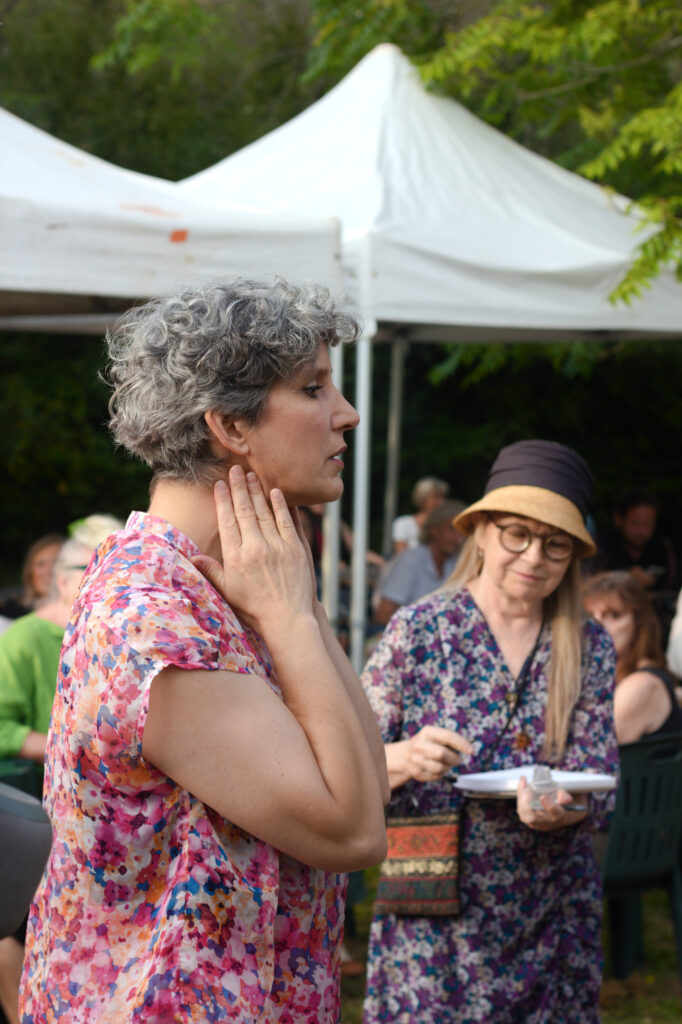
[(345, 415), (535, 552)]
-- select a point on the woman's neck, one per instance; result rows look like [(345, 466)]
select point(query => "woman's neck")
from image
[(190, 508), (56, 612), (514, 624)]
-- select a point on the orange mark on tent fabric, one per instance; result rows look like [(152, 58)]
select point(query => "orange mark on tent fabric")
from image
[(179, 235)]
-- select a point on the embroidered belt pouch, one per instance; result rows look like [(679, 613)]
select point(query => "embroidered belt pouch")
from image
[(420, 876)]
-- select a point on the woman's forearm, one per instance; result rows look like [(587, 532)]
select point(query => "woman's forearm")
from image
[(318, 696), (356, 693)]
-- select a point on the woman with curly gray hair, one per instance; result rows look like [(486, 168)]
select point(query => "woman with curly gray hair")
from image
[(212, 762)]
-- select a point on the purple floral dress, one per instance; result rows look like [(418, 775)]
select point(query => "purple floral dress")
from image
[(154, 909), (526, 948)]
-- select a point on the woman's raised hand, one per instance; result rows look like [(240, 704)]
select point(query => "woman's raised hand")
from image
[(264, 575), (433, 751)]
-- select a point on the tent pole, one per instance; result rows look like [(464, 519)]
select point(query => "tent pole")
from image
[(331, 525), (395, 405), (363, 404)]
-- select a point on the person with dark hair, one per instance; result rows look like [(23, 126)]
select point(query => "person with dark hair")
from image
[(499, 669), (213, 765), (644, 703), (635, 545), (419, 570)]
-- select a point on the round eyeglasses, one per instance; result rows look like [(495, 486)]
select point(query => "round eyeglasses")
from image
[(516, 538)]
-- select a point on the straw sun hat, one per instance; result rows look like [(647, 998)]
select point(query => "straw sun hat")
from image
[(542, 480)]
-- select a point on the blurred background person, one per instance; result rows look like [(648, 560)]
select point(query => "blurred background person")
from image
[(419, 570), (635, 545), (29, 655), (36, 577), (94, 529), (645, 702), (29, 658), (674, 647), (427, 493), (36, 574)]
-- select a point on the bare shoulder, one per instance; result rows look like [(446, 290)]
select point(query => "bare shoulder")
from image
[(644, 681)]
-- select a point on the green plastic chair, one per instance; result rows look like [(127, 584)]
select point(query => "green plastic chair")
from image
[(644, 846)]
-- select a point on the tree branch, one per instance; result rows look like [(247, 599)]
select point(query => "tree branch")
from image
[(607, 69)]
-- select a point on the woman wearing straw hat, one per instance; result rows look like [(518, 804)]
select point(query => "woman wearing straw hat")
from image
[(499, 669)]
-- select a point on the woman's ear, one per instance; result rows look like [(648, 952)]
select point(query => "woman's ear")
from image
[(228, 433)]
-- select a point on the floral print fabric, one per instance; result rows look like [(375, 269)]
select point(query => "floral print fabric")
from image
[(153, 908), (526, 948)]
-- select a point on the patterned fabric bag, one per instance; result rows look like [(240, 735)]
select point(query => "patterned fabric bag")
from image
[(420, 876)]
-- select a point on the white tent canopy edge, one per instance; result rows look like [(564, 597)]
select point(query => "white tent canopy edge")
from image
[(78, 233)]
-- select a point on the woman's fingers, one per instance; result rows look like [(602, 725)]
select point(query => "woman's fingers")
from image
[(445, 738), (553, 814), (285, 524), (438, 753), (264, 516), (242, 503), (228, 527), (252, 513), (434, 751)]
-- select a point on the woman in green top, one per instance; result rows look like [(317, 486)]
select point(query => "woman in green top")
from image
[(29, 656)]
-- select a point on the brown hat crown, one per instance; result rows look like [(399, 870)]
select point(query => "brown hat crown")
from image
[(546, 464)]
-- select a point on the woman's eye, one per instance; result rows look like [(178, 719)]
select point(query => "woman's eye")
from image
[(559, 544), (312, 389)]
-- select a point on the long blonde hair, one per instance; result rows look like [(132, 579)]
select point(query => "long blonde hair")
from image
[(563, 611)]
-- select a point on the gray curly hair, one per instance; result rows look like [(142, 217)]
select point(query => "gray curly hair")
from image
[(219, 347)]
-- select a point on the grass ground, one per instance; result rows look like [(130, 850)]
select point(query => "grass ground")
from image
[(649, 996)]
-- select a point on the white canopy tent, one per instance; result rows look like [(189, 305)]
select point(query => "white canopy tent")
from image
[(450, 232), (81, 238)]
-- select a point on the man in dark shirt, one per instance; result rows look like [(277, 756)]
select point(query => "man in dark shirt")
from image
[(635, 546)]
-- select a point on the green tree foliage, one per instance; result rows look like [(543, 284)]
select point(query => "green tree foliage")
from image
[(57, 459), (166, 87), (591, 84)]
